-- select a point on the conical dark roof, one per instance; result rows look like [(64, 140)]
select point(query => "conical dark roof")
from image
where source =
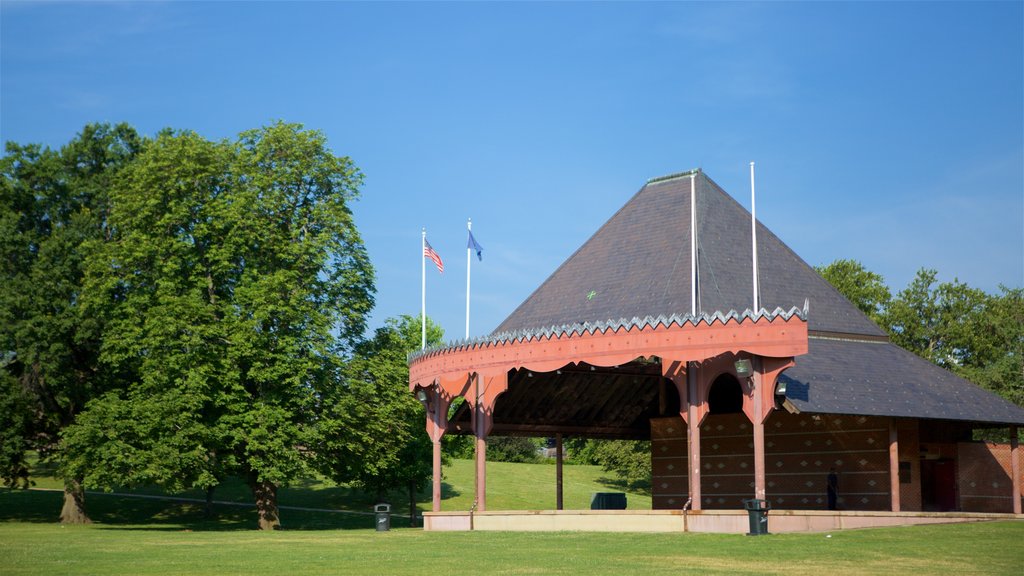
[(638, 264)]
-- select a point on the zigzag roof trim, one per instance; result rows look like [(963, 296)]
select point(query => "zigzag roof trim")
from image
[(576, 329)]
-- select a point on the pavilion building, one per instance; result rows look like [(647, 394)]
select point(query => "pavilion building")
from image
[(650, 330)]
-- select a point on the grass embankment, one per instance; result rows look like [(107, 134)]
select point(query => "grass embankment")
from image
[(143, 536), (47, 548), (510, 487)]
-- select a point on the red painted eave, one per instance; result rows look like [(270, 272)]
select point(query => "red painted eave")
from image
[(773, 336)]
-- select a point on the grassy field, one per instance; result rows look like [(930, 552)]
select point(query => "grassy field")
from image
[(510, 487), (48, 548), (133, 535)]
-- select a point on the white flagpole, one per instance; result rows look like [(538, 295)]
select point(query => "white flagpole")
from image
[(423, 291), (469, 262), (693, 244), (753, 235)]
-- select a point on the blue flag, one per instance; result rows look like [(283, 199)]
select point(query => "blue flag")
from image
[(478, 248)]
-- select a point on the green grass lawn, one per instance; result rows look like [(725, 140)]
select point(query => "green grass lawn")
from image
[(48, 548), (510, 487), (134, 535)]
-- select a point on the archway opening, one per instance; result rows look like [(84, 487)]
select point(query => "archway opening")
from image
[(725, 395)]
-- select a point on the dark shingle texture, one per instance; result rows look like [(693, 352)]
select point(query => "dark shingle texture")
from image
[(882, 379), (638, 264)]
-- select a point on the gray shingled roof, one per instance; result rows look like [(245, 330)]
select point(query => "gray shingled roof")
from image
[(882, 379), (638, 264)]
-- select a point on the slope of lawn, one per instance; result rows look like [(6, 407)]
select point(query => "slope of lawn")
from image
[(138, 535)]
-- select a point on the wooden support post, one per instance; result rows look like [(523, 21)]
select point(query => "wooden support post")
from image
[(1015, 468), (481, 473), (894, 465), (757, 382), (436, 491), (558, 472), (693, 437)]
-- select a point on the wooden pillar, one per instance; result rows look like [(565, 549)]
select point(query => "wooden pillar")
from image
[(488, 388), (481, 473), (757, 382), (894, 465), (558, 472), (1015, 468), (480, 430), (435, 496), (693, 437), (437, 423)]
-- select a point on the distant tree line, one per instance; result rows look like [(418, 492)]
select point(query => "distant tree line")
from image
[(974, 334), (177, 310)]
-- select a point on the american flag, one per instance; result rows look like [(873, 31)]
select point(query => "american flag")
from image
[(428, 252)]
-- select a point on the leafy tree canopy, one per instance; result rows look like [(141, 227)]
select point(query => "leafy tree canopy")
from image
[(53, 203), (234, 282)]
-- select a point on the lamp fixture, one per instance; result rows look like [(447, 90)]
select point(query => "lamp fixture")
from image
[(743, 368)]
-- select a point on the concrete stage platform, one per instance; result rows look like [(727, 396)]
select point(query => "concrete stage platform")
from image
[(713, 521)]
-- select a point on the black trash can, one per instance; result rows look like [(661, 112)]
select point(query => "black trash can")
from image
[(608, 501), (757, 513), (383, 512)]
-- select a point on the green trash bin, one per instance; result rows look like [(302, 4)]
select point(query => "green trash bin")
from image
[(757, 513)]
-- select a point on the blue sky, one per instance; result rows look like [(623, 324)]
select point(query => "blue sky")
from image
[(890, 133)]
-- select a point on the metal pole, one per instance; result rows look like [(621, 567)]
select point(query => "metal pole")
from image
[(558, 472), (469, 262), (753, 235), (693, 245), (423, 290)]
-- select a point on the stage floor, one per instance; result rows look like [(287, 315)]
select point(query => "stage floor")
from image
[(713, 521)]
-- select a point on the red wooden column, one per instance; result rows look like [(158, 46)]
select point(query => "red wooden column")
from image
[(485, 393), (693, 419), (1015, 468), (758, 383), (677, 371), (894, 465), (758, 404), (437, 423)]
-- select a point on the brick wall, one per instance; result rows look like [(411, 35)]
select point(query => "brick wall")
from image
[(727, 461), (800, 450), (910, 457), (983, 477), (669, 470)]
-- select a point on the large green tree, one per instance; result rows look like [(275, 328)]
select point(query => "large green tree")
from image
[(866, 289), (374, 434), (235, 282), (977, 335), (52, 203)]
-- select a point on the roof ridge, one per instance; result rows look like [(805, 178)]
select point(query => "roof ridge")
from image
[(674, 176)]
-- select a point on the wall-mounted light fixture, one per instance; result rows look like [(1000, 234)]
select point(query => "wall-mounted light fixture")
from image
[(743, 368), (424, 397)]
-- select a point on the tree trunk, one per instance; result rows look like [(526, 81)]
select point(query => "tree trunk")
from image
[(209, 502), (73, 511), (266, 504), (412, 504)]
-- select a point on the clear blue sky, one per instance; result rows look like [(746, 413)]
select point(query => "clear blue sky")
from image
[(892, 134)]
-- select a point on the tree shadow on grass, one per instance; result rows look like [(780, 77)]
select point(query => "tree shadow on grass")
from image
[(620, 485), (113, 512)]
